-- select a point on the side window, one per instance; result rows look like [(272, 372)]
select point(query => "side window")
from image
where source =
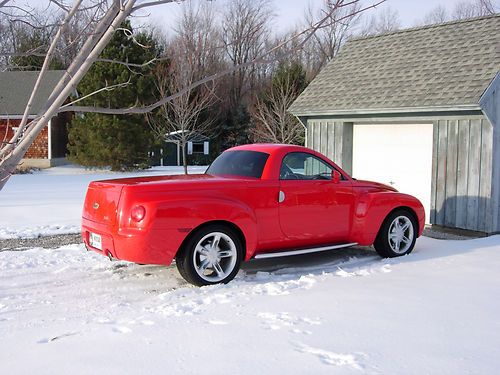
[(304, 166)]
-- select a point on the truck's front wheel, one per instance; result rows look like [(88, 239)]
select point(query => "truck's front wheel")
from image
[(211, 256), (397, 235)]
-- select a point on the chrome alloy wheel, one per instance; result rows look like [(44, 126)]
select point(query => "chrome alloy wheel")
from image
[(401, 234), (214, 257)]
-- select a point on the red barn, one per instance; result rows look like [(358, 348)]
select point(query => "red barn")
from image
[(49, 148)]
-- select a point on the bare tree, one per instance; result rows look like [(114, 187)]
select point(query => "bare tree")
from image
[(474, 8), (20, 28), (327, 41), (96, 40), (245, 29), (27, 33), (384, 22), (462, 10), (436, 15), (273, 121), (197, 39), (193, 55), (13, 151), (182, 117)]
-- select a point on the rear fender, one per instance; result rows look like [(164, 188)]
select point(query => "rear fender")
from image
[(186, 215)]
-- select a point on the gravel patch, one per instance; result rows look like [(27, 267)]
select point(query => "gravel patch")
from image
[(48, 242), (52, 242), (441, 233)]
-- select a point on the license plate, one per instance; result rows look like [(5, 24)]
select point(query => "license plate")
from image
[(95, 240)]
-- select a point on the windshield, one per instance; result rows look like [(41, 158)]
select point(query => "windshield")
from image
[(239, 163)]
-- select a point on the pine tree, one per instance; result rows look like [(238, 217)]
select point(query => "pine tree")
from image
[(121, 142), (290, 74), (29, 41), (235, 129)]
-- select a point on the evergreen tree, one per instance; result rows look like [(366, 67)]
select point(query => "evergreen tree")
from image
[(36, 40), (234, 129), (121, 142), (291, 75)]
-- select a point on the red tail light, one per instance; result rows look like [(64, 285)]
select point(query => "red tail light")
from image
[(138, 213)]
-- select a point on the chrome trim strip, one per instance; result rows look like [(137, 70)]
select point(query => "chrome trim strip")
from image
[(302, 251)]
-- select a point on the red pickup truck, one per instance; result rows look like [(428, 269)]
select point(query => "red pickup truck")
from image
[(254, 201)]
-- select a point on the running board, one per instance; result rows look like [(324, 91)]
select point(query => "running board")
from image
[(302, 251)]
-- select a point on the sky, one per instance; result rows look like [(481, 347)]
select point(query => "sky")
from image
[(290, 12)]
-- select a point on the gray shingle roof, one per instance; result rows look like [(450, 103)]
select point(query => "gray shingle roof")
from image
[(16, 87), (446, 65)]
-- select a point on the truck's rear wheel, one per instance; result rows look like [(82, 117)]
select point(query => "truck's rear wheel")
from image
[(211, 256), (397, 235)]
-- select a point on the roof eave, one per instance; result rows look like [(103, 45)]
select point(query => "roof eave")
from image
[(376, 111), (490, 87), (16, 117)]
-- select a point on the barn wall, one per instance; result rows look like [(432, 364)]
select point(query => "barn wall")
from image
[(333, 139), (490, 104), (6, 126), (465, 167), (39, 148), (463, 175)]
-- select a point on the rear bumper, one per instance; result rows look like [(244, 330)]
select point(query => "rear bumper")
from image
[(108, 247), (146, 247)]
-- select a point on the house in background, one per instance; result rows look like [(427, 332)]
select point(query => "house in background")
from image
[(49, 148), (418, 109), (170, 153)]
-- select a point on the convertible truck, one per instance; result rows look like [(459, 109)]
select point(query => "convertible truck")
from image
[(254, 201)]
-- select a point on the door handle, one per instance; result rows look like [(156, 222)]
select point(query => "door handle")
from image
[(281, 197)]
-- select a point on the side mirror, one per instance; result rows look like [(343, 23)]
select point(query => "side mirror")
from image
[(336, 176)]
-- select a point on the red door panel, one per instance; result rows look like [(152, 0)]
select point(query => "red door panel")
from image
[(317, 211)]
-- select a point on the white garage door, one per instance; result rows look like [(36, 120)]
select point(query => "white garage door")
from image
[(398, 155)]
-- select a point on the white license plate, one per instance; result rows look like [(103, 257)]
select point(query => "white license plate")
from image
[(95, 240)]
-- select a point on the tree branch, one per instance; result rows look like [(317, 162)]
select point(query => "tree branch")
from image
[(133, 65), (106, 88), (45, 68), (261, 60), (154, 3), (60, 5)]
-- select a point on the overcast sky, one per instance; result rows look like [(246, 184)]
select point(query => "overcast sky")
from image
[(290, 12)]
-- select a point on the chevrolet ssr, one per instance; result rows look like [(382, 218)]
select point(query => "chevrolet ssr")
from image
[(254, 201)]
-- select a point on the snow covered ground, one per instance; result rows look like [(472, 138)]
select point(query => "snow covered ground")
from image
[(436, 311), (69, 311), (50, 201)]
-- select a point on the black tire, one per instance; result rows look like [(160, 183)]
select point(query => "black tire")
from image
[(393, 231), (190, 261)]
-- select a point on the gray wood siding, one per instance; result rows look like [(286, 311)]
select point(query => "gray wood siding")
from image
[(440, 162), (462, 172), (490, 104), (333, 139), (462, 166), (465, 167), (432, 218)]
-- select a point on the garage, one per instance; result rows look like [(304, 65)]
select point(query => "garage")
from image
[(399, 155), (418, 109)]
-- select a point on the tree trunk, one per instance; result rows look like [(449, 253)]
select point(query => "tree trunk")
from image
[(113, 19), (184, 158)]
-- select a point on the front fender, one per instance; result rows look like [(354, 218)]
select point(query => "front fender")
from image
[(372, 208)]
